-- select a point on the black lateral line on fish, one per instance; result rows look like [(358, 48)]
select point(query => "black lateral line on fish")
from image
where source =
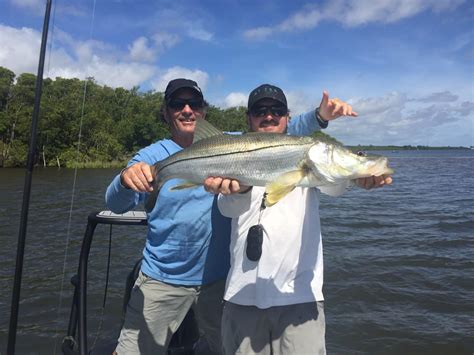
[(222, 154)]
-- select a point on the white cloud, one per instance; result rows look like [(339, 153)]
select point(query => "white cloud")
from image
[(20, 49), (258, 33), (38, 7), (299, 102), (199, 33), (395, 119), (444, 96), (306, 19), (140, 51), (377, 105), (84, 51), (119, 74), (355, 13), (437, 118), (462, 41), (352, 13), (30, 4), (71, 9), (187, 21), (465, 109), (165, 40), (235, 99), (70, 59), (114, 74), (162, 79)]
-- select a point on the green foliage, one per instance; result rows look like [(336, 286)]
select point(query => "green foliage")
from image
[(6, 82), (15, 116), (83, 124), (229, 120), (17, 154)]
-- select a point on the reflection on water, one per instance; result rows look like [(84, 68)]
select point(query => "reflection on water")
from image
[(398, 261)]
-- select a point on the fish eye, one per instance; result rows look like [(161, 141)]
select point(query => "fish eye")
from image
[(361, 153)]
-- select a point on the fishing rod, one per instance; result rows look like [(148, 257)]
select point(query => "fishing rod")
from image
[(27, 189)]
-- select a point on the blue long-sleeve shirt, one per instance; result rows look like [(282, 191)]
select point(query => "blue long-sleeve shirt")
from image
[(187, 239)]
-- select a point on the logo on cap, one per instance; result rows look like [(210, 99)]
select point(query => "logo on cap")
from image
[(266, 91)]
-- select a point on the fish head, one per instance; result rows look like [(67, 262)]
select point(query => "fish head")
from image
[(333, 163)]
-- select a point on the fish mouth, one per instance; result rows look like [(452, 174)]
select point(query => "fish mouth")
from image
[(380, 167)]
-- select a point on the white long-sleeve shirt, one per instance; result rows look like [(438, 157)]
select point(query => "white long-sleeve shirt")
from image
[(290, 270)]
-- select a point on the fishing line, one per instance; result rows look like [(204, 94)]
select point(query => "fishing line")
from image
[(52, 38), (50, 50), (13, 325), (68, 232)]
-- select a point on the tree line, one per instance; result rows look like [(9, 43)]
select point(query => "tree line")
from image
[(83, 124)]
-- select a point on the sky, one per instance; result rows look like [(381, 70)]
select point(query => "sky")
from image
[(406, 66)]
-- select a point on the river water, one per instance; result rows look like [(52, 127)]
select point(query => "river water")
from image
[(399, 261)]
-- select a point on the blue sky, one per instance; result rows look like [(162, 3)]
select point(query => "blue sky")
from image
[(407, 66)]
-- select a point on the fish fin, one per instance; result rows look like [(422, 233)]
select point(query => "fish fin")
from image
[(205, 129), (338, 189), (151, 201), (389, 171), (282, 186), (185, 185)]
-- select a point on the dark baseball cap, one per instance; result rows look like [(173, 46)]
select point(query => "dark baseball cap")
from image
[(176, 84), (266, 91)]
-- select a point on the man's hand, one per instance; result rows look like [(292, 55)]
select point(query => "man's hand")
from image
[(330, 109), (374, 181), (224, 186), (137, 177)]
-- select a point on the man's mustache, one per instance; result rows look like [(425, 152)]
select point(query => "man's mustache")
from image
[(269, 123)]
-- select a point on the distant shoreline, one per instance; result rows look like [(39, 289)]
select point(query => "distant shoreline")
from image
[(354, 148)]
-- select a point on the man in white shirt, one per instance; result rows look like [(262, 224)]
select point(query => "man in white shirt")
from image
[(274, 300)]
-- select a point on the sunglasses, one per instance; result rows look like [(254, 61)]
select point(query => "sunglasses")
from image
[(179, 104), (254, 242), (262, 111)]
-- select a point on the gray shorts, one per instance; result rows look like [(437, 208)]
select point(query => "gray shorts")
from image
[(293, 329), (156, 310)]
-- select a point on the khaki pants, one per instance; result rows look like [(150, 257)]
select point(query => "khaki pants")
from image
[(156, 310), (293, 329)]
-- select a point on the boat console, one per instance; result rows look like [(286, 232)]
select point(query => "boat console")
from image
[(184, 341)]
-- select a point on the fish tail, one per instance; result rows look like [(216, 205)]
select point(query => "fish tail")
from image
[(185, 185), (157, 184), (151, 201)]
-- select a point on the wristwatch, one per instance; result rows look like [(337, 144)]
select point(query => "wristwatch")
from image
[(322, 122)]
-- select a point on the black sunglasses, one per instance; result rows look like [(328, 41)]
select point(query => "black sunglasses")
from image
[(179, 104), (262, 111), (254, 242)]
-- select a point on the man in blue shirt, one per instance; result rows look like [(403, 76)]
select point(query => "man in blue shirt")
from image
[(186, 256)]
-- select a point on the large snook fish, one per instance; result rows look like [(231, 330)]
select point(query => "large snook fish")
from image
[(278, 161)]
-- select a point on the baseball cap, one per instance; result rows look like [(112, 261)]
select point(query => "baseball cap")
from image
[(266, 91), (181, 83)]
